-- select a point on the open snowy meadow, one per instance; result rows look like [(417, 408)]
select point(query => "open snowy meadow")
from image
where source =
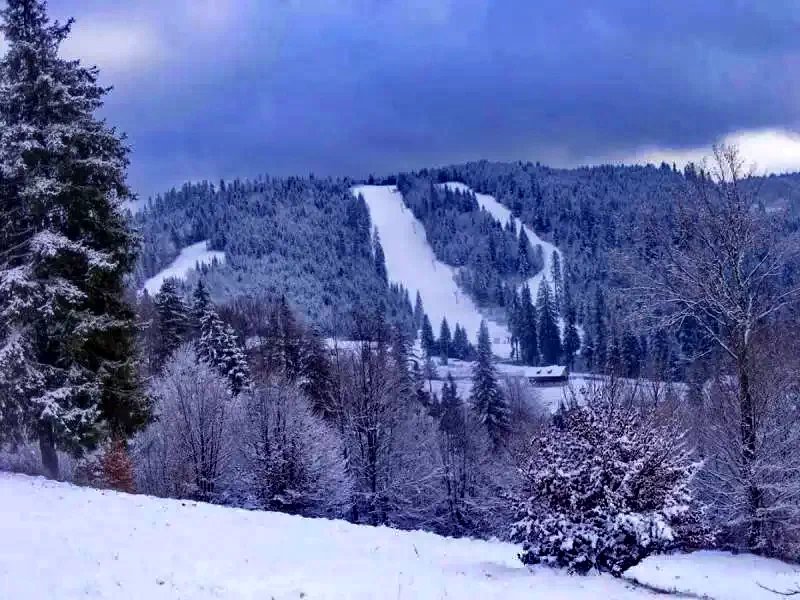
[(58, 541)]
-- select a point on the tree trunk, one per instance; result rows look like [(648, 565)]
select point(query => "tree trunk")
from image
[(748, 433), (47, 446)]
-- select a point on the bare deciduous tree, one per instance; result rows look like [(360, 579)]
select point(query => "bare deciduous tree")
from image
[(720, 270)]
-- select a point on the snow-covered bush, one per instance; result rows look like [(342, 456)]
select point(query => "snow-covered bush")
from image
[(288, 459), (608, 484)]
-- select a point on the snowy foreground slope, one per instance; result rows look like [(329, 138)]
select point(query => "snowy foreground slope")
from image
[(187, 260), (62, 542), (410, 260)]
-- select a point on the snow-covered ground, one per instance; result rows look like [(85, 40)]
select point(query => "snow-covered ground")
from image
[(718, 575), (187, 260), (410, 260), (65, 542), (503, 214)]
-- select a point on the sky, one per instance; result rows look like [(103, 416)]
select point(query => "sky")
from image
[(210, 89)]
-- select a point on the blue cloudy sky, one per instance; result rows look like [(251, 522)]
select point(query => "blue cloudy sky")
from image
[(224, 88)]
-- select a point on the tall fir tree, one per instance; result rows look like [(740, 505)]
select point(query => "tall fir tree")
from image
[(380, 257), (68, 334), (445, 341), (524, 257), (460, 344), (419, 313), (173, 320), (557, 276), (572, 341), (452, 412), (528, 325), (487, 398), (219, 347), (600, 331), (201, 301), (426, 337), (549, 335)]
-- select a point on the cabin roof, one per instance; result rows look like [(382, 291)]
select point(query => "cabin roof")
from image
[(546, 372)]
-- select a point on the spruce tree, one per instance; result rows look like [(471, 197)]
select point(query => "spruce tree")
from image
[(452, 422), (67, 333), (426, 337), (572, 341), (558, 282), (487, 398), (219, 347), (380, 257), (460, 348), (419, 313), (528, 325), (201, 301), (444, 341), (600, 330), (549, 335), (524, 258), (173, 320)]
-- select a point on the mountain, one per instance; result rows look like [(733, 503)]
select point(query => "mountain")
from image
[(313, 239)]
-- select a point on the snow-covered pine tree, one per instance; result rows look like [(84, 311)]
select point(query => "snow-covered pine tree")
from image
[(572, 341), (460, 346), (65, 246), (380, 257), (487, 397), (426, 337), (201, 300), (219, 347), (528, 325), (445, 341), (419, 312), (608, 484), (558, 282), (549, 335), (173, 320), (524, 258)]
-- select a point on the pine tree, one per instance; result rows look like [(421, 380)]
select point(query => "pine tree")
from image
[(487, 398), (524, 258), (173, 320), (601, 337), (558, 282), (572, 341), (219, 347), (380, 257), (528, 325), (201, 300), (68, 334), (419, 313), (588, 352), (427, 339), (452, 421), (444, 341), (549, 335), (460, 344), (631, 355)]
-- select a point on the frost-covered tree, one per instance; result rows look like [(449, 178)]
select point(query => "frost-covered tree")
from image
[(380, 257), (220, 348), (188, 450), (426, 337), (289, 459), (557, 277), (524, 257), (65, 247), (460, 345), (528, 325), (445, 341), (419, 313), (572, 341), (608, 483), (722, 269), (487, 397), (549, 335), (174, 325)]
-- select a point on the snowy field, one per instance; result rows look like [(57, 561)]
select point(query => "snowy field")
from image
[(187, 260), (63, 542), (410, 260), (503, 214)]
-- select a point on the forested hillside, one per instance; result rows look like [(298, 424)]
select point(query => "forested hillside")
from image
[(309, 239)]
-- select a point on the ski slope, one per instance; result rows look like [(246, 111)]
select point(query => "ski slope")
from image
[(187, 260), (65, 542), (410, 260), (503, 214)]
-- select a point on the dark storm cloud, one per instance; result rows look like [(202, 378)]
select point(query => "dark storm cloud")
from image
[(223, 88)]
